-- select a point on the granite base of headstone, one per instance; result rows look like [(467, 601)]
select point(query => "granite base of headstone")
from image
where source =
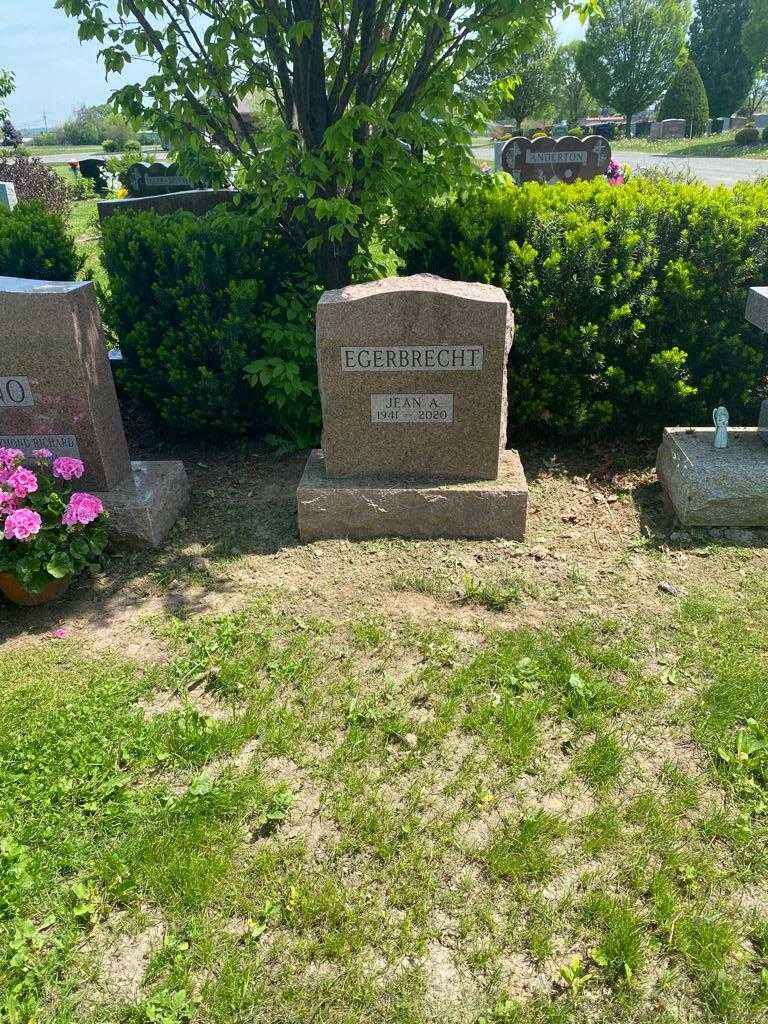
[(719, 487), (412, 376), (715, 487), (57, 392)]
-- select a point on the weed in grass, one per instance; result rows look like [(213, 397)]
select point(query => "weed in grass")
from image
[(224, 653), (575, 975), (495, 595), (427, 584), (526, 850), (602, 763), (621, 946), (164, 1007), (436, 645), (369, 633)]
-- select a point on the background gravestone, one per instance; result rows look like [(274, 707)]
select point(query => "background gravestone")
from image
[(156, 179), (7, 195), (95, 169), (57, 392), (549, 160), (671, 128), (412, 375)]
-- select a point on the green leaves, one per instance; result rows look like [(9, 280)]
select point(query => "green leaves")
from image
[(215, 317), (355, 109), (628, 301), (60, 565)]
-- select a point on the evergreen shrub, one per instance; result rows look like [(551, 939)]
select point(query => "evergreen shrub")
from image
[(628, 300), (215, 319), (747, 136), (34, 243), (686, 98)]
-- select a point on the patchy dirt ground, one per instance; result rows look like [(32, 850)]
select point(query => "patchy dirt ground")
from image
[(599, 543), (332, 801)]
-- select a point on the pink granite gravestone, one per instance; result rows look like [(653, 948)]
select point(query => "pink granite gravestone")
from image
[(56, 388), (57, 392), (413, 382)]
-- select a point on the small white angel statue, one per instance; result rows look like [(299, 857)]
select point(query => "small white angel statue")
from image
[(720, 419)]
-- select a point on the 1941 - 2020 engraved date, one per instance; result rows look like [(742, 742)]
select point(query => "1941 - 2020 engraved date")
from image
[(412, 409)]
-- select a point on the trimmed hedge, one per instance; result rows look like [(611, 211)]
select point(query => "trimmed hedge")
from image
[(197, 301), (35, 244), (747, 136), (629, 300), (686, 98)]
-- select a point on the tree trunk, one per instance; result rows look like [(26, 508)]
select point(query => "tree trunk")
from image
[(333, 261), (628, 125)]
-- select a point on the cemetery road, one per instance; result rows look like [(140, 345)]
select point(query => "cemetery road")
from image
[(720, 170)]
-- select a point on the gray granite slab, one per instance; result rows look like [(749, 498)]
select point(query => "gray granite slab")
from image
[(757, 308), (710, 487)]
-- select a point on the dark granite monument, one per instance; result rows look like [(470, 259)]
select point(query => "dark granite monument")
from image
[(549, 160)]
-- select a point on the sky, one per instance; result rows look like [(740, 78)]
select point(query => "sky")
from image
[(56, 73)]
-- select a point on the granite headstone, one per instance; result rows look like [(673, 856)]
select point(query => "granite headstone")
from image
[(156, 179), (7, 195), (549, 160), (412, 376), (95, 169), (57, 392), (757, 313)]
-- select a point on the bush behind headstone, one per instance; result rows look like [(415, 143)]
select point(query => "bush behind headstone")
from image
[(34, 243), (686, 98), (747, 136), (193, 302), (628, 300)]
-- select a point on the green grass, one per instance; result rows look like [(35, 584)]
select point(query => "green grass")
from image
[(84, 226), (62, 150), (290, 820), (710, 145)]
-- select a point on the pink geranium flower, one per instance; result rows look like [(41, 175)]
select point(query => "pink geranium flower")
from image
[(82, 509), (23, 481), (68, 469), (22, 524), (42, 453), (7, 502), (61, 633), (10, 458)]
